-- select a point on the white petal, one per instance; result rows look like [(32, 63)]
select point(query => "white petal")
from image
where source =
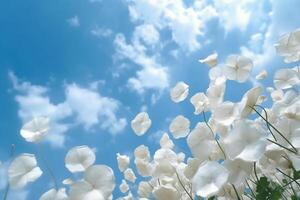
[(285, 78), (211, 60), (35, 130), (200, 102), (209, 179), (129, 175), (165, 142), (124, 187), (102, 178), (53, 194), (123, 162), (79, 158), (166, 192), (262, 75), (141, 123), (180, 127), (179, 92), (245, 141), (23, 170)]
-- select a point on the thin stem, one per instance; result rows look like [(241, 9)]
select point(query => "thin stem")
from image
[(267, 121), (280, 145), (250, 189), (275, 129), (190, 196), (12, 151), (213, 135), (49, 169), (237, 194), (288, 176)]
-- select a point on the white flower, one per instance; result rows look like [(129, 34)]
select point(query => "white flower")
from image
[(249, 100), (285, 79), (179, 92), (142, 152), (180, 127), (35, 130), (238, 68), (124, 186), (288, 46), (245, 141), (200, 102), (225, 113), (201, 142), (209, 179), (144, 168), (129, 175), (165, 142), (98, 184), (141, 123), (239, 170), (79, 158), (211, 60), (215, 92), (23, 170), (68, 181), (144, 189), (54, 194), (262, 75), (123, 162), (166, 192)]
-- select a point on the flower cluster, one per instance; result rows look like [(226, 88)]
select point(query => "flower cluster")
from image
[(240, 150)]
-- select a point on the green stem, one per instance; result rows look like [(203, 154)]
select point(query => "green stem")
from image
[(252, 193), (295, 150), (267, 121), (288, 176), (213, 135), (48, 169), (237, 194), (190, 196)]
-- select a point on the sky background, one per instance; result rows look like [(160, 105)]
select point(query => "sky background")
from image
[(92, 65)]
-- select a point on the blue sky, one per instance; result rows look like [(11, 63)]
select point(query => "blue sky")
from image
[(92, 65)]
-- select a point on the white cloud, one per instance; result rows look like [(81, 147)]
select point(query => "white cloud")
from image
[(146, 33), (34, 101), (235, 13), (89, 108), (152, 75), (101, 32), (261, 45), (185, 23), (74, 21), (92, 109)]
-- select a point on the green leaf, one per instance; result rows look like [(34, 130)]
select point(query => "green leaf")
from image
[(268, 190)]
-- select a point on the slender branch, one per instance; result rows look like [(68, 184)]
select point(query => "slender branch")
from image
[(213, 135)]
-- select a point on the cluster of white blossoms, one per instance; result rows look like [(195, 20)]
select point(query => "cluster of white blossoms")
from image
[(231, 149)]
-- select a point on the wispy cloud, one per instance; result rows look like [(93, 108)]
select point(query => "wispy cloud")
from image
[(83, 106), (74, 21), (101, 32)]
